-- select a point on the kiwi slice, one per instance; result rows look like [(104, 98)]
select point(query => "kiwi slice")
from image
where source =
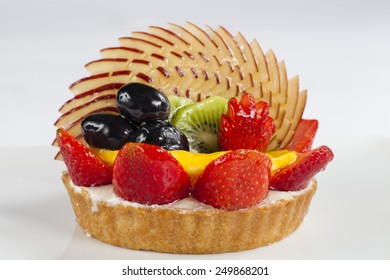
[(177, 102), (200, 123)]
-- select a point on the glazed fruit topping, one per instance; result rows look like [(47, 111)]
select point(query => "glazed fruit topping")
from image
[(296, 176), (246, 125), (141, 103), (85, 168), (163, 134), (304, 136), (131, 150), (148, 174), (107, 131), (236, 180)]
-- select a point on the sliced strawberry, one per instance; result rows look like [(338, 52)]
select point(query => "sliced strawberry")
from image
[(304, 136), (148, 174), (85, 168), (246, 125), (296, 176), (236, 180)]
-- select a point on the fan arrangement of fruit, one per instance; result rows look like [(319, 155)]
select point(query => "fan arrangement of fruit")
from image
[(190, 62), (181, 111)]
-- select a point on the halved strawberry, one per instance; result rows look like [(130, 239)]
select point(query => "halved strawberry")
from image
[(236, 180), (304, 136), (85, 168), (246, 125), (148, 174), (296, 176)]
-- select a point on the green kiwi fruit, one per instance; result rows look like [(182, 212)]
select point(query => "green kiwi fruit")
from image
[(177, 102), (200, 122)]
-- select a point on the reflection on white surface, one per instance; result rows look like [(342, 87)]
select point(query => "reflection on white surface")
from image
[(348, 218)]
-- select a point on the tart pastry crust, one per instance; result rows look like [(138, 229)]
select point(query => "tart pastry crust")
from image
[(200, 231)]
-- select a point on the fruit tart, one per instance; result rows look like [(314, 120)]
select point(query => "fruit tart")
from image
[(188, 140)]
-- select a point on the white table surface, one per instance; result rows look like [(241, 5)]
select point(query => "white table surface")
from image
[(339, 50)]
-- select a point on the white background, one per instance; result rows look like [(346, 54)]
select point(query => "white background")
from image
[(340, 49)]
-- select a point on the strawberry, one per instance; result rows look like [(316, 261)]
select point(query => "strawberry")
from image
[(148, 174), (236, 180), (304, 136), (246, 125), (296, 176), (85, 168)]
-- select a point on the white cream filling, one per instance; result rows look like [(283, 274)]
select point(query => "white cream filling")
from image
[(106, 194)]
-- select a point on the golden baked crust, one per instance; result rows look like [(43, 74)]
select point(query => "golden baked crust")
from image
[(189, 232)]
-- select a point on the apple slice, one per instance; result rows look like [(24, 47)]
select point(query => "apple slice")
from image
[(140, 44), (272, 85), (262, 74), (251, 64), (294, 106), (106, 65), (161, 41), (107, 101), (232, 45), (99, 80), (279, 99), (122, 52), (170, 36), (197, 43), (86, 99), (299, 108)]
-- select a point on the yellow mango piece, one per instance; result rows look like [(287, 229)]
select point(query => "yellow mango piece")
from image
[(281, 159), (195, 163), (108, 156)]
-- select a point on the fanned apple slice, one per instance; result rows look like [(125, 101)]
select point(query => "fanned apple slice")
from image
[(250, 63), (225, 53), (262, 74), (272, 85), (301, 102), (161, 41), (238, 56), (99, 80), (106, 65), (294, 107), (280, 98), (78, 101), (283, 82), (140, 44), (200, 35), (196, 42), (232, 45), (193, 62), (289, 108), (107, 101), (122, 52), (109, 65), (169, 36)]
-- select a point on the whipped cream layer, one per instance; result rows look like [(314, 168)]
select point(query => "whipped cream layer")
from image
[(107, 195)]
